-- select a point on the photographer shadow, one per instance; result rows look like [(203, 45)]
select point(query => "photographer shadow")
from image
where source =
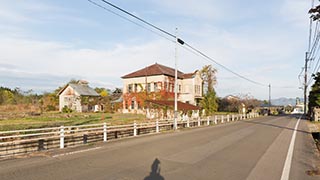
[(155, 171)]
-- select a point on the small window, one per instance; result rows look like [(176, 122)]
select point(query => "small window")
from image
[(135, 87), (130, 88), (132, 104), (149, 87), (155, 87)]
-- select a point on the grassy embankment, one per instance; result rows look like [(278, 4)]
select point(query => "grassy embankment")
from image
[(17, 121), (13, 118)]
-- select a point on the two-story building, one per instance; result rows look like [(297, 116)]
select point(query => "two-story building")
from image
[(156, 82)]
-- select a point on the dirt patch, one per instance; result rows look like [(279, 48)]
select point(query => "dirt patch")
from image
[(313, 172)]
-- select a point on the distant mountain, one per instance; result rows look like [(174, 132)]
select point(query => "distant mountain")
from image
[(284, 101)]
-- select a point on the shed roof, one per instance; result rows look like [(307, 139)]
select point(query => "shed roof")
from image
[(81, 89)]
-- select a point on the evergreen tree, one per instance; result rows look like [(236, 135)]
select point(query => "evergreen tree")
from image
[(314, 95), (209, 102)]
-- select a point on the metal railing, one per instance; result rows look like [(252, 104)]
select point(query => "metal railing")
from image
[(21, 142)]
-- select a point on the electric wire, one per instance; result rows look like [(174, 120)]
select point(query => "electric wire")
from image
[(134, 16), (125, 18), (180, 41)]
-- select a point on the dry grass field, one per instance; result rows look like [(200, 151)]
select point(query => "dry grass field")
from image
[(17, 118)]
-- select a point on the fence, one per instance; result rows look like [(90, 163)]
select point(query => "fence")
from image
[(22, 142)]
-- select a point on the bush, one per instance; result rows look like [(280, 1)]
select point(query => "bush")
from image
[(66, 109), (51, 108)]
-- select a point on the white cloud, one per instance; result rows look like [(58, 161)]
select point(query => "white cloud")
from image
[(295, 12), (201, 9), (60, 59)]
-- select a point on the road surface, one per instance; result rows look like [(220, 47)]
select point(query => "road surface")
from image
[(250, 149)]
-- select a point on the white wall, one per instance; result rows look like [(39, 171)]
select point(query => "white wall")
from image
[(71, 99)]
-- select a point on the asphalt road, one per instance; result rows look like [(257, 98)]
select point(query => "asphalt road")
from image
[(251, 149)]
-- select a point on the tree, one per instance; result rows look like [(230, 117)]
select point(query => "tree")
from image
[(102, 91), (314, 95), (208, 75), (209, 102)]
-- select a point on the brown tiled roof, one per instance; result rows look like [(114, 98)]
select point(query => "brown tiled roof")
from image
[(189, 75), (181, 105), (155, 69)]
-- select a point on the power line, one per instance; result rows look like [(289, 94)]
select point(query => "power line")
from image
[(125, 18), (211, 59), (132, 15), (180, 41)]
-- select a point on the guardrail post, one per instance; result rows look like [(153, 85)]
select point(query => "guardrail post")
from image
[(134, 129), (222, 120), (228, 118), (199, 122), (232, 116), (104, 132), (215, 119), (61, 137), (157, 126), (240, 116), (208, 120)]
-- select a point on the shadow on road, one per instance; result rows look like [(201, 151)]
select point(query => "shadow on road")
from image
[(277, 126), (155, 171)]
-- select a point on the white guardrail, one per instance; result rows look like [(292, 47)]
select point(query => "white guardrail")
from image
[(21, 142)]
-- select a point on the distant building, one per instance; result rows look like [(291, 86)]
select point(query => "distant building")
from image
[(156, 82), (79, 97), (299, 107)]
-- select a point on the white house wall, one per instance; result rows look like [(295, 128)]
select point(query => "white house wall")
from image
[(71, 99)]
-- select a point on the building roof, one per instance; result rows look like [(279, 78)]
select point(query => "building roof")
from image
[(81, 89), (181, 105), (189, 75), (155, 69)]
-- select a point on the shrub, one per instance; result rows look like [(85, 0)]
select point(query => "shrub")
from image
[(66, 109)]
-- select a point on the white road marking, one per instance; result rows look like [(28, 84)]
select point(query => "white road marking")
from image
[(75, 152), (286, 169)]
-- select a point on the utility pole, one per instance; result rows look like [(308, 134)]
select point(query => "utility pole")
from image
[(175, 124), (269, 98), (305, 84)]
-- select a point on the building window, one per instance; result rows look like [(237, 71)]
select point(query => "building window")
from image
[(132, 104), (180, 88), (130, 88), (138, 104), (155, 87), (135, 87), (197, 89), (149, 87)]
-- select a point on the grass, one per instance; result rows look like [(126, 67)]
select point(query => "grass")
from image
[(18, 121)]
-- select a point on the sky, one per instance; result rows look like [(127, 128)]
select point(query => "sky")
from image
[(44, 44)]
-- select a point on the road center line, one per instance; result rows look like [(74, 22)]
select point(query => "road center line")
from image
[(287, 165)]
